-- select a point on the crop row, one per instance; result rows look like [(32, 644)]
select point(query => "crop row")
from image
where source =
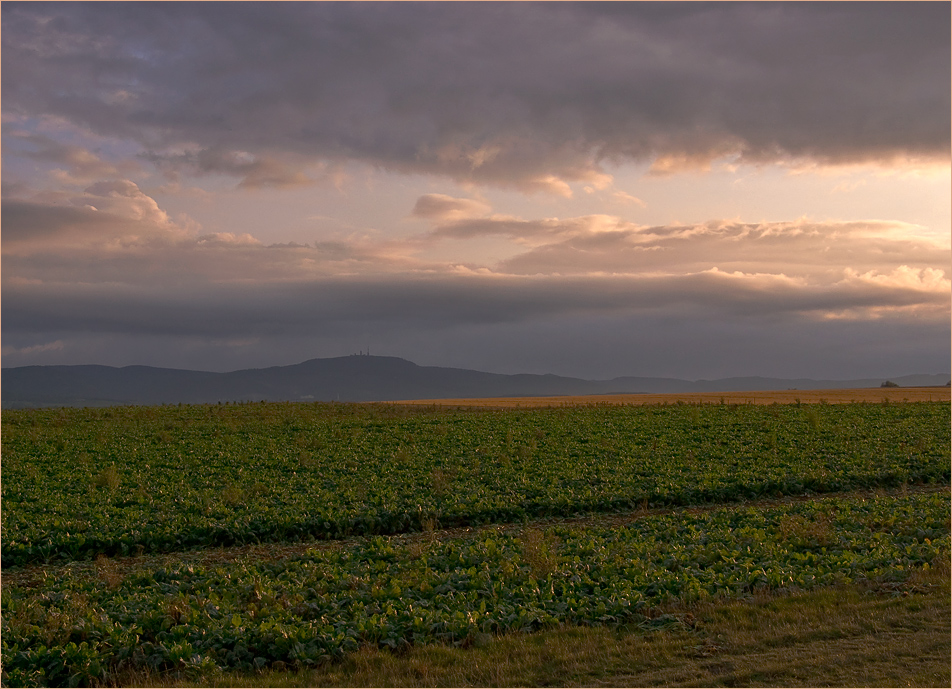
[(83, 482), (388, 592)]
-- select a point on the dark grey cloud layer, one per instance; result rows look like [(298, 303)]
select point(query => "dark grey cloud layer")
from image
[(233, 310), (503, 93), (600, 345)]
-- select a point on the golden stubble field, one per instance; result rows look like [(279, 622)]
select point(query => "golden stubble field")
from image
[(923, 394)]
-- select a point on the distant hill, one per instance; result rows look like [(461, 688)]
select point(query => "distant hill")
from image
[(356, 378)]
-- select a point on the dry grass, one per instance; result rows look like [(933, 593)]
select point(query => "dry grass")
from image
[(923, 394)]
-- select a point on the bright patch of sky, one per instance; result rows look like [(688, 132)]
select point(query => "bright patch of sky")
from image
[(378, 204)]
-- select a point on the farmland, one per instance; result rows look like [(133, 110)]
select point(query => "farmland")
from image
[(838, 396), (391, 526)]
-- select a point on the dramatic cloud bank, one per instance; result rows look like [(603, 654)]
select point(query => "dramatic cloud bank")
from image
[(516, 94), (112, 262), (485, 143)]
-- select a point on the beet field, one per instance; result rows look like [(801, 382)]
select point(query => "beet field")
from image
[(183, 542)]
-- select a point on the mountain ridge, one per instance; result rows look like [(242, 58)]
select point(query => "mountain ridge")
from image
[(354, 378)]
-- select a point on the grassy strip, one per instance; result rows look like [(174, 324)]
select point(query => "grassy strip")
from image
[(380, 593), (870, 636), (83, 482)]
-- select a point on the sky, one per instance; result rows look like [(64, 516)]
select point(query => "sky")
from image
[(694, 190)]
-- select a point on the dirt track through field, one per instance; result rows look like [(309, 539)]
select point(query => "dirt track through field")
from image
[(116, 569), (923, 394)]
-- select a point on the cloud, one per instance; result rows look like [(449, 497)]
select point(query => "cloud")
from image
[(435, 303), (109, 265), (264, 171), (535, 97), (592, 345), (531, 96), (227, 239), (125, 267), (628, 199), (669, 164), (607, 244), (440, 207), (113, 232), (78, 164), (24, 221), (598, 244), (523, 231), (123, 198), (56, 346), (922, 280), (107, 215)]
